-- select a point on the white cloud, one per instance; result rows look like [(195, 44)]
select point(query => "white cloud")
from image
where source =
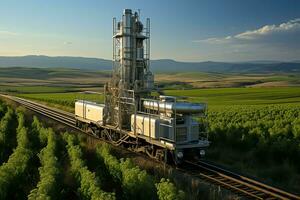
[(271, 42), (213, 40), (266, 32)]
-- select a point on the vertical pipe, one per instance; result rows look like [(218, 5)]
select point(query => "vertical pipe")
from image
[(114, 43), (133, 50), (148, 41), (135, 113)]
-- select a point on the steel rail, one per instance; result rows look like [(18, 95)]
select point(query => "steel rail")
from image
[(46, 107), (55, 114), (238, 184), (254, 182)]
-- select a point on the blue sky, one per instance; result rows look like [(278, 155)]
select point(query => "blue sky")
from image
[(191, 30)]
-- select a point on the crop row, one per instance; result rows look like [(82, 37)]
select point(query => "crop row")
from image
[(48, 187), (2, 109), (89, 184), (13, 172), (271, 130), (258, 136), (7, 134), (136, 183)]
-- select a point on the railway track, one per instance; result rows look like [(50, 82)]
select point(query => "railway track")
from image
[(238, 184), (53, 113), (241, 185)]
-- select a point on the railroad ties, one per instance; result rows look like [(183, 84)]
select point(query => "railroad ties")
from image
[(238, 184)]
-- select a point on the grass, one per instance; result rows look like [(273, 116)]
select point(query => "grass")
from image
[(48, 73), (46, 80), (35, 89), (63, 101), (240, 96), (21, 77), (214, 97)]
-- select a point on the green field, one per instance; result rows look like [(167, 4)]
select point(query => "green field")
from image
[(249, 128), (240, 96), (14, 79), (35, 89), (213, 97), (64, 101), (43, 80), (254, 130), (253, 119)]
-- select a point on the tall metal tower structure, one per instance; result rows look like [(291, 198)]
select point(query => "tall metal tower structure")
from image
[(131, 77)]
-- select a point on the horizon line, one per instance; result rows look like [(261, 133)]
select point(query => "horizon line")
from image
[(157, 59)]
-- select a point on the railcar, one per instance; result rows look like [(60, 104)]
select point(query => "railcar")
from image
[(163, 127)]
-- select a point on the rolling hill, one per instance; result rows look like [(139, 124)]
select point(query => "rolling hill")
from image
[(162, 65)]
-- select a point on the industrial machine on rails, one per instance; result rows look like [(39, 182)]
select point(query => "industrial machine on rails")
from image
[(161, 126)]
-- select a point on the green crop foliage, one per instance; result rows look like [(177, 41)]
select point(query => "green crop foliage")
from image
[(136, 183), (2, 109), (13, 172), (250, 128), (7, 134), (48, 186), (240, 96), (253, 136), (42, 132), (258, 127), (166, 190), (89, 183)]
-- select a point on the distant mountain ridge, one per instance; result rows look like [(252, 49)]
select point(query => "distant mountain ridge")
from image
[(162, 65), (57, 62)]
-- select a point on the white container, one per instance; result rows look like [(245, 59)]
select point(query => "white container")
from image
[(146, 126), (90, 111)]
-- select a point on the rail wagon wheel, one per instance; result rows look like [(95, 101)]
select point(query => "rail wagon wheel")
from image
[(177, 161), (97, 133), (77, 124), (89, 130), (103, 134), (94, 131), (161, 155)]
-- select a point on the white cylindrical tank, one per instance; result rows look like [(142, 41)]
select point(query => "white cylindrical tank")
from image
[(172, 107)]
